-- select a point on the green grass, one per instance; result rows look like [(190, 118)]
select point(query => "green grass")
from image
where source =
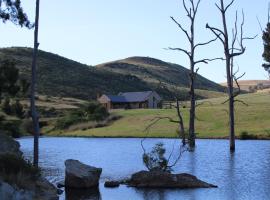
[(212, 120)]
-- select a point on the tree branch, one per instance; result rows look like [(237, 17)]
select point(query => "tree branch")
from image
[(180, 49), (180, 26)]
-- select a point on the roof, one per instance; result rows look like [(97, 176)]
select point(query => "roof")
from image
[(128, 97), (115, 98)]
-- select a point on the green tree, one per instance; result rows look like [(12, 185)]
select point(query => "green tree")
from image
[(9, 76), (266, 52)]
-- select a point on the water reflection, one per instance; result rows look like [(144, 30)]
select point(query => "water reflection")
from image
[(82, 194)]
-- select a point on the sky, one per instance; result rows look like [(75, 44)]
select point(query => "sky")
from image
[(97, 31)]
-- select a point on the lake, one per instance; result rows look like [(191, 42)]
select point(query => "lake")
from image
[(243, 175)]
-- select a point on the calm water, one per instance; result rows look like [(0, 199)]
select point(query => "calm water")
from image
[(243, 175)]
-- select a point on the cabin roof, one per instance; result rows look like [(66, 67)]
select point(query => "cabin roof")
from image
[(128, 97)]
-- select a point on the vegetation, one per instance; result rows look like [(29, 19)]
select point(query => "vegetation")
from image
[(17, 171), (85, 82), (156, 160), (211, 120), (247, 136), (91, 112)]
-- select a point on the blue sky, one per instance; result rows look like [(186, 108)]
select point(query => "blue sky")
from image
[(98, 31)]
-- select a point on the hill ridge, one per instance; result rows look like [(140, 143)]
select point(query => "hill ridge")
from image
[(60, 76)]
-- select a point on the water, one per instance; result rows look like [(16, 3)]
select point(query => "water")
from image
[(244, 175)]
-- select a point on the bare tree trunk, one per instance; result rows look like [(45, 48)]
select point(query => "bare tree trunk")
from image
[(34, 113), (191, 8), (181, 123), (192, 135), (229, 52)]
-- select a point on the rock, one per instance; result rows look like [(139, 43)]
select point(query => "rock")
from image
[(159, 179), (44, 190), (7, 192), (111, 184), (79, 175), (9, 145), (60, 184)]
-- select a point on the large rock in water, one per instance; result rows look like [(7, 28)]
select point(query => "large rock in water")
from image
[(79, 175), (160, 179)]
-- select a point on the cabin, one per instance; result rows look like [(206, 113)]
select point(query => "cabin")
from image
[(131, 100)]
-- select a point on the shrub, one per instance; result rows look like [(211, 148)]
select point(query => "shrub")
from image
[(156, 160), (17, 109), (91, 112), (15, 170), (6, 106), (12, 128), (244, 135)]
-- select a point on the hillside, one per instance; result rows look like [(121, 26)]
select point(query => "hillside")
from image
[(249, 85), (59, 76)]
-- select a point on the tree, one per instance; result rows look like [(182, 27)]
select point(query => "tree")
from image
[(11, 10), (34, 113), (266, 51), (230, 52), (191, 11), (9, 76)]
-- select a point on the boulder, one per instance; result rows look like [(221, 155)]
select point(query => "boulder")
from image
[(44, 190), (8, 192), (9, 145), (79, 175), (160, 179)]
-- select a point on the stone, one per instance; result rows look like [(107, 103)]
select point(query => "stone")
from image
[(8, 192), (111, 184), (9, 145), (79, 175), (160, 179)]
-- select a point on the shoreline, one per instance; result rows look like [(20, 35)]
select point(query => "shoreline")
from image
[(138, 137)]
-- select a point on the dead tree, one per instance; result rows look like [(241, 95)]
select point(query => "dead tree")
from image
[(34, 113), (180, 122), (230, 52), (191, 11)]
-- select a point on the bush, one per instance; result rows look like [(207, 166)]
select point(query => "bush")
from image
[(12, 128), (6, 107), (155, 160), (15, 170), (244, 135), (17, 109), (91, 112)]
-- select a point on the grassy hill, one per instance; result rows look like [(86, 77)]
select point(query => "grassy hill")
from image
[(59, 76), (246, 85), (212, 120)]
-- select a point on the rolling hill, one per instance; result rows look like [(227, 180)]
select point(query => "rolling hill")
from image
[(249, 85), (59, 76)]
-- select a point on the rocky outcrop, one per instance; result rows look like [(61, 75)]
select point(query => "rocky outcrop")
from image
[(41, 190), (160, 179), (79, 175), (8, 192), (29, 185), (9, 145), (44, 190)]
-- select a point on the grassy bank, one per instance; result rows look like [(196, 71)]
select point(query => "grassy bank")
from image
[(212, 120)]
